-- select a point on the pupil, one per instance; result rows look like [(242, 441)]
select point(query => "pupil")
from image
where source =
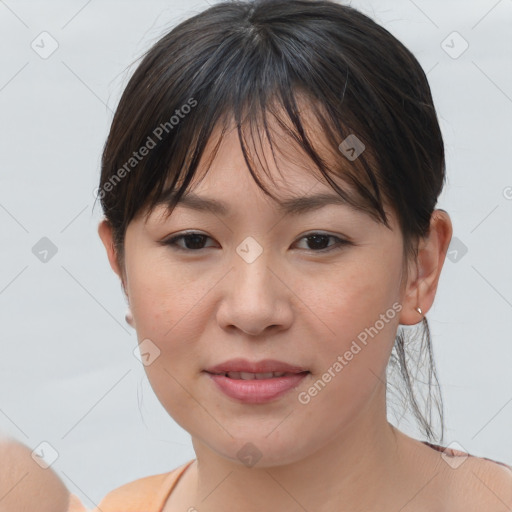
[(196, 239), (315, 238)]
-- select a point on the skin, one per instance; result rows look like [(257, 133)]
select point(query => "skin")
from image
[(24, 485), (337, 452)]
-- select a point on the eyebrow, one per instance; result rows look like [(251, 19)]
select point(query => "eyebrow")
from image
[(290, 207)]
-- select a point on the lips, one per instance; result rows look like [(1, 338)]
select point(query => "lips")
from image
[(256, 382), (243, 368), (256, 391), (253, 376)]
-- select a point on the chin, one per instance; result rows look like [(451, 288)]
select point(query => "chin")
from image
[(262, 450)]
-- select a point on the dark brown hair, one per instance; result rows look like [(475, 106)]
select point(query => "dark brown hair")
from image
[(241, 60)]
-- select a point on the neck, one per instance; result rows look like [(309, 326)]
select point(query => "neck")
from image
[(361, 468)]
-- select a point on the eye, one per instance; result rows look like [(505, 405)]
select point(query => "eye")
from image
[(194, 242), (317, 241)]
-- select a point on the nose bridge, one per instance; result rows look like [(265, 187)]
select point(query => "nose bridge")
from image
[(252, 273), (254, 298)]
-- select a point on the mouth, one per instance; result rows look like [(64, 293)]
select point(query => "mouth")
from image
[(256, 376), (264, 369), (256, 388)]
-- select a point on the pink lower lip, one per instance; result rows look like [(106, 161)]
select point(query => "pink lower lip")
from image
[(257, 391)]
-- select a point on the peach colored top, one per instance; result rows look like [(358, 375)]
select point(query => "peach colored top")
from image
[(150, 494), (147, 494)]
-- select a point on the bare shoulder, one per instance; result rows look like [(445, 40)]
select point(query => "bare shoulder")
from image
[(480, 484), (24, 485)]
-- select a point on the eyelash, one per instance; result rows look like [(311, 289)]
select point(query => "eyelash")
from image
[(172, 242)]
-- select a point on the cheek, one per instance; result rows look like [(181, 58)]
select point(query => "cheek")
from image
[(361, 311), (165, 302), (163, 295), (352, 295), (358, 308)]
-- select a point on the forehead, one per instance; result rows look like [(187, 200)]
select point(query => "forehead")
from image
[(279, 162), (227, 183), (210, 196)]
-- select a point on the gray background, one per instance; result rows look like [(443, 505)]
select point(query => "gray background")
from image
[(67, 372)]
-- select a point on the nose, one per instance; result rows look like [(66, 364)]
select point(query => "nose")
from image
[(255, 298)]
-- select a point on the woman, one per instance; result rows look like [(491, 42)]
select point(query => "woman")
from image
[(269, 186)]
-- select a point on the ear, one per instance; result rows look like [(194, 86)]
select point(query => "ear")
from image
[(424, 273), (106, 235)]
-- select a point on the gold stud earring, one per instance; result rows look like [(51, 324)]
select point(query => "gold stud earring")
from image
[(418, 309)]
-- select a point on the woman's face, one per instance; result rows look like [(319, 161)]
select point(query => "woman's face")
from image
[(255, 288)]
